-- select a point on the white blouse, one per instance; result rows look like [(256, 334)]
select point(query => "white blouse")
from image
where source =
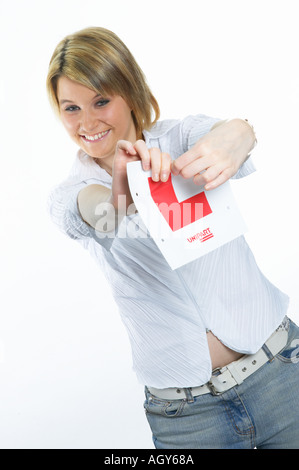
[(167, 312)]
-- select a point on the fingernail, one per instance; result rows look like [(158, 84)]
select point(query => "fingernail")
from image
[(164, 177), (155, 177)]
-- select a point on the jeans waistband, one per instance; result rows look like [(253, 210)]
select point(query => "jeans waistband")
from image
[(234, 373)]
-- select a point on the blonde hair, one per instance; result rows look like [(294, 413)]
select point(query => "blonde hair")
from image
[(98, 59)]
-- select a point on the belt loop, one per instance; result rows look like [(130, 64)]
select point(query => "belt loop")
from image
[(189, 396), (267, 352)]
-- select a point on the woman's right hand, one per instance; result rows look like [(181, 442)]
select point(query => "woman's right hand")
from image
[(159, 162)]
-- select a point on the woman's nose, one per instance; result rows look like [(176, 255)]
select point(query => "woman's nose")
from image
[(89, 121)]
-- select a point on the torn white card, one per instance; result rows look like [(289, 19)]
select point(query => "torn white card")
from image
[(184, 220)]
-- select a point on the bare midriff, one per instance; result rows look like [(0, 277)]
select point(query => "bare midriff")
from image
[(220, 354)]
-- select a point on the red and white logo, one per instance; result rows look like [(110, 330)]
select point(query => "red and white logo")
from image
[(201, 236), (178, 214)]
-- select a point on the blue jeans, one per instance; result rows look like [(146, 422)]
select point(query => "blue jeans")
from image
[(262, 412)]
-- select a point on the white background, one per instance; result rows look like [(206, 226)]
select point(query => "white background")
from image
[(65, 362)]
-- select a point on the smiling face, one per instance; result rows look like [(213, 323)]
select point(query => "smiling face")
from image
[(96, 123)]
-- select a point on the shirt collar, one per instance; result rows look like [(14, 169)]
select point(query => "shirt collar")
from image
[(85, 168)]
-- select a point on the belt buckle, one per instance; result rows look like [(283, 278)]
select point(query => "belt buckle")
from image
[(210, 384), (213, 389)]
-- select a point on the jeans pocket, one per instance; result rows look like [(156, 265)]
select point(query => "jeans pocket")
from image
[(167, 408), (290, 353)]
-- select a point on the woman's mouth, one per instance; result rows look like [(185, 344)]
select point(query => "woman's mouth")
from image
[(96, 137)]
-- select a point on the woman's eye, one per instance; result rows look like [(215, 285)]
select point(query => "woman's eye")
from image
[(71, 108), (102, 102)]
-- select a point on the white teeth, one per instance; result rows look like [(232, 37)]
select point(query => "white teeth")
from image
[(97, 136)]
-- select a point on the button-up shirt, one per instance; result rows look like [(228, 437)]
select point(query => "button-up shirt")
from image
[(167, 312)]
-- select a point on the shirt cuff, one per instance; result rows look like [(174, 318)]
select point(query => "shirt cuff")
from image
[(245, 169)]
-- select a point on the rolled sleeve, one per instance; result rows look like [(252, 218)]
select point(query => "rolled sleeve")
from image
[(245, 169), (63, 209), (195, 127)]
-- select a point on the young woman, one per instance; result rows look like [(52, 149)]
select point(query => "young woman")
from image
[(210, 341)]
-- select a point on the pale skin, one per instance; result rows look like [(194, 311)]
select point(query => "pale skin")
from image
[(103, 127)]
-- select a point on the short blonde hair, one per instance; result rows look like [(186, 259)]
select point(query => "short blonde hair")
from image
[(98, 59)]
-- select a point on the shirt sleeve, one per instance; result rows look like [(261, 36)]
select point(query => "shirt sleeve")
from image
[(63, 210), (195, 127)]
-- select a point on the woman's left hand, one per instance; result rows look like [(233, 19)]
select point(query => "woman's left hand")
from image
[(218, 155)]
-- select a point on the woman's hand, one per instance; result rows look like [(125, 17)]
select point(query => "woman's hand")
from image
[(154, 159), (218, 155)]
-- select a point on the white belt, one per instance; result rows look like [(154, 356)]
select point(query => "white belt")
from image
[(231, 375)]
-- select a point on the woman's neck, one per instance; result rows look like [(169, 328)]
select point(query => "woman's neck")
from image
[(104, 165)]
